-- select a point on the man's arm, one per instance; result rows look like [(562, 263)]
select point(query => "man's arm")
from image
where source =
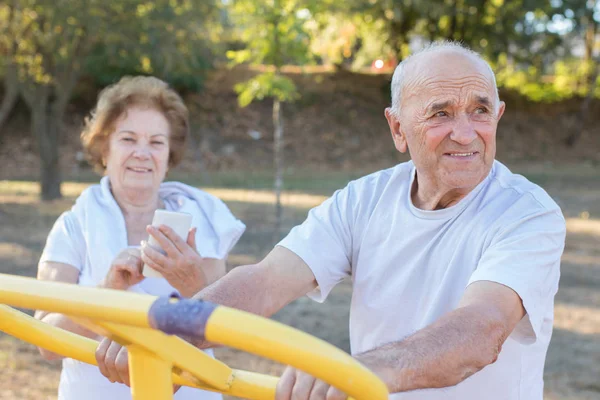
[(455, 346), (443, 354), (263, 288)]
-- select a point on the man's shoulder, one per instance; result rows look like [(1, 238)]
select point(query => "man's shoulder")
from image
[(376, 182), (521, 190)]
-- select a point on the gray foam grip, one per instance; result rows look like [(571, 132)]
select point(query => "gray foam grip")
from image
[(183, 317)]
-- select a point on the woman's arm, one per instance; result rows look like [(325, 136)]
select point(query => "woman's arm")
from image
[(125, 271), (59, 272)]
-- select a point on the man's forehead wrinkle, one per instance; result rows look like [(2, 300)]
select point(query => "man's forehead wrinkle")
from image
[(446, 60), (460, 81), (413, 80), (442, 75), (463, 86)]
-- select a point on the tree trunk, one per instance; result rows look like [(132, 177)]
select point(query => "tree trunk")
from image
[(278, 184), (45, 126), (590, 38), (432, 30), (451, 35), (397, 43), (584, 110), (11, 95), (589, 79)]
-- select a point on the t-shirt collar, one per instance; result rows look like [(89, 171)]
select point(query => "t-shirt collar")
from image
[(449, 212)]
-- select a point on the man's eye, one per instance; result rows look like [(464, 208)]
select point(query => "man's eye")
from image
[(158, 143), (441, 114), (127, 139), (481, 110)]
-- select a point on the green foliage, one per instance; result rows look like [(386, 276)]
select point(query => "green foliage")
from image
[(530, 42), (266, 85), (565, 81), (273, 32), (168, 38)]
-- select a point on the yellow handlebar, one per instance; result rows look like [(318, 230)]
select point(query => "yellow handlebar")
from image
[(123, 316), (20, 325)]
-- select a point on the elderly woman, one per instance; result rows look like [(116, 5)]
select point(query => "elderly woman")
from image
[(136, 133)]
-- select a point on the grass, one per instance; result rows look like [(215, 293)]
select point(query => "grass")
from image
[(304, 182)]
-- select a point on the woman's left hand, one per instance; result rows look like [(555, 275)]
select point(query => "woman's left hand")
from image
[(182, 265)]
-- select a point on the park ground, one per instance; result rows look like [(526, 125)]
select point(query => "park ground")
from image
[(573, 363)]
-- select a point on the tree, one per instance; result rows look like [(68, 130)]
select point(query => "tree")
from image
[(274, 34), (8, 46), (585, 16), (49, 42)]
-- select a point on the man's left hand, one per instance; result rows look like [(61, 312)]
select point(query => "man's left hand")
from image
[(298, 385)]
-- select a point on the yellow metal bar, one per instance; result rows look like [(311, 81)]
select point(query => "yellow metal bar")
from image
[(244, 384), (252, 385), (284, 344), (102, 304), (173, 350), (38, 333), (226, 326), (150, 376)]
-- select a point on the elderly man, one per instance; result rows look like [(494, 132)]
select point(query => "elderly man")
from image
[(454, 259)]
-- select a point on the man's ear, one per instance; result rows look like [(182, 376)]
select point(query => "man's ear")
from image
[(501, 109), (397, 135)]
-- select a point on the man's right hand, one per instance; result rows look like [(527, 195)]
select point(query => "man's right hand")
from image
[(125, 271), (297, 385)]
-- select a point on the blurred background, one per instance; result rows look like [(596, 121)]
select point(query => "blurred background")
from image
[(297, 88)]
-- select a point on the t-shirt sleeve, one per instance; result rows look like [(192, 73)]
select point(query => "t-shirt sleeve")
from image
[(525, 256), (324, 242), (65, 243)]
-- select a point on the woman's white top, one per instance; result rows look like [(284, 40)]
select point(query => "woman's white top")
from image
[(90, 236)]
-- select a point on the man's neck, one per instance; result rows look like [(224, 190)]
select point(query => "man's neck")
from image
[(429, 197)]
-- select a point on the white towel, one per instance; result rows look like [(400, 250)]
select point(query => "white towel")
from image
[(91, 235)]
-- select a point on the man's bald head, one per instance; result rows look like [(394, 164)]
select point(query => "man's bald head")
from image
[(407, 70)]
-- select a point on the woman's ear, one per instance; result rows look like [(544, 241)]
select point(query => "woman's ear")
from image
[(105, 150), (396, 130)]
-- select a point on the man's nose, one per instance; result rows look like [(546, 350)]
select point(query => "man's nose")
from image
[(463, 131)]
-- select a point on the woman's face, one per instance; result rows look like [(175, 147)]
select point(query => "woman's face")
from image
[(138, 150)]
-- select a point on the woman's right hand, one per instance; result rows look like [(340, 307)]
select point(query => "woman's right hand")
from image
[(125, 271), (113, 361)]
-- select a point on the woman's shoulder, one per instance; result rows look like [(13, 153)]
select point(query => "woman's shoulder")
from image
[(90, 199), (92, 192), (180, 196)]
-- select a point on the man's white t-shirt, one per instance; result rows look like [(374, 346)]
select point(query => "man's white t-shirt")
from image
[(410, 266)]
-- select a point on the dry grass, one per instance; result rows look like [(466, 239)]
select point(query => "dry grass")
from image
[(25, 192), (573, 363)]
